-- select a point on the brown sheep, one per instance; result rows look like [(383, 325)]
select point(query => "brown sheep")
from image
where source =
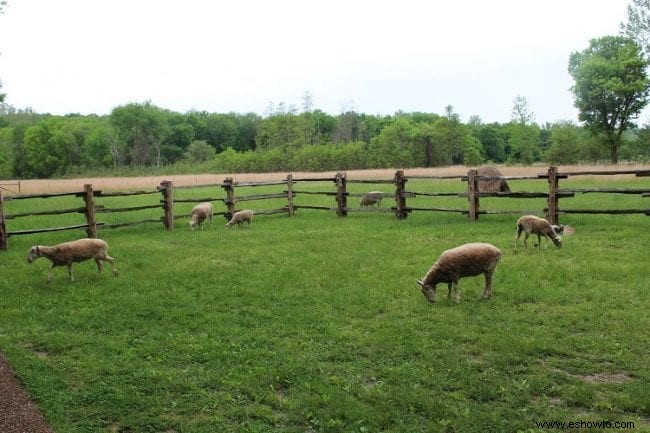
[(75, 251), (200, 213), (467, 260), (239, 217), (531, 224)]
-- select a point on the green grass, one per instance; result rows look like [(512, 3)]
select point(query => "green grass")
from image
[(315, 324)]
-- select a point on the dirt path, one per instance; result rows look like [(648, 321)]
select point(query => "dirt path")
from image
[(18, 413)]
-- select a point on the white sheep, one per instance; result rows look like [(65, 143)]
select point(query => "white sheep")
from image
[(75, 251), (239, 217), (370, 198), (467, 260), (200, 213), (531, 224)]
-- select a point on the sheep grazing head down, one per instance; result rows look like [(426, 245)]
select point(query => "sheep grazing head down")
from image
[(200, 213), (531, 224), (240, 217), (467, 260)]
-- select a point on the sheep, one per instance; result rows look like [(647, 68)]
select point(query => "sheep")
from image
[(74, 251), (531, 224), (200, 213), (239, 217), (467, 260), (370, 198), (492, 185)]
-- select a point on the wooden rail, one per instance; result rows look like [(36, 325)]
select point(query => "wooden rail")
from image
[(401, 210)]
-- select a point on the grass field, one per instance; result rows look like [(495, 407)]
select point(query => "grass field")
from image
[(315, 324)]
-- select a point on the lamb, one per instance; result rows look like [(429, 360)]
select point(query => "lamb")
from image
[(200, 213), (370, 198), (467, 260), (239, 217), (531, 224), (75, 251)]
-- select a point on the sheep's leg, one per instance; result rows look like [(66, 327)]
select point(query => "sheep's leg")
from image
[(457, 290), (49, 272), (539, 242), (449, 291), (517, 235), (526, 241), (111, 260), (70, 272), (99, 265), (487, 293)]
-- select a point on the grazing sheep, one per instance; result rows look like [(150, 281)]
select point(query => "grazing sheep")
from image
[(69, 252), (493, 185), (467, 260), (200, 213), (240, 217), (531, 224), (370, 198)]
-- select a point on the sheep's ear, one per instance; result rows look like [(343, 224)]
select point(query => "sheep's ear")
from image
[(420, 283)]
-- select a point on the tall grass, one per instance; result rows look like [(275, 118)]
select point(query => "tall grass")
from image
[(315, 324)]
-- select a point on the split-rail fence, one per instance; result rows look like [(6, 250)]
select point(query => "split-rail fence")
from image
[(173, 194)]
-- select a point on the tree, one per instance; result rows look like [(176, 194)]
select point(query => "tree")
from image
[(637, 27), (143, 127), (521, 112), (611, 87), (200, 151)]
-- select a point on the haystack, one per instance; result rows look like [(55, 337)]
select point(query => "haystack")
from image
[(493, 185)]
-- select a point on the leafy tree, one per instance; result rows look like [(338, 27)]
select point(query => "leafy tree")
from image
[(393, 147), (200, 151), (565, 144), (143, 127), (611, 87), (521, 111), (493, 138), (637, 26), (524, 143)]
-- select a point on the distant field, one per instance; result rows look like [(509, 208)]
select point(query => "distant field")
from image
[(38, 186)]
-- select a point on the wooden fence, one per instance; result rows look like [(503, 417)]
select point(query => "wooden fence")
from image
[(230, 200)]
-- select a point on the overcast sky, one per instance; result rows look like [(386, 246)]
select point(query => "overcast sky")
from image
[(376, 57)]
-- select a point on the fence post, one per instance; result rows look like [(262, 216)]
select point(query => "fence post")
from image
[(167, 191), (229, 201), (473, 194), (341, 194), (89, 199), (3, 228), (400, 198), (553, 184), (290, 208)]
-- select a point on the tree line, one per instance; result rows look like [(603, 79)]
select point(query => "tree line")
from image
[(141, 135)]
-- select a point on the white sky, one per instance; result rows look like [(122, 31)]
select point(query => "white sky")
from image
[(376, 57)]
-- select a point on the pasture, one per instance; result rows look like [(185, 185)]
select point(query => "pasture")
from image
[(315, 323)]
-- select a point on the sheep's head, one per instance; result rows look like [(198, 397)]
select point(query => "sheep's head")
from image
[(429, 291), (557, 240), (34, 253)]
